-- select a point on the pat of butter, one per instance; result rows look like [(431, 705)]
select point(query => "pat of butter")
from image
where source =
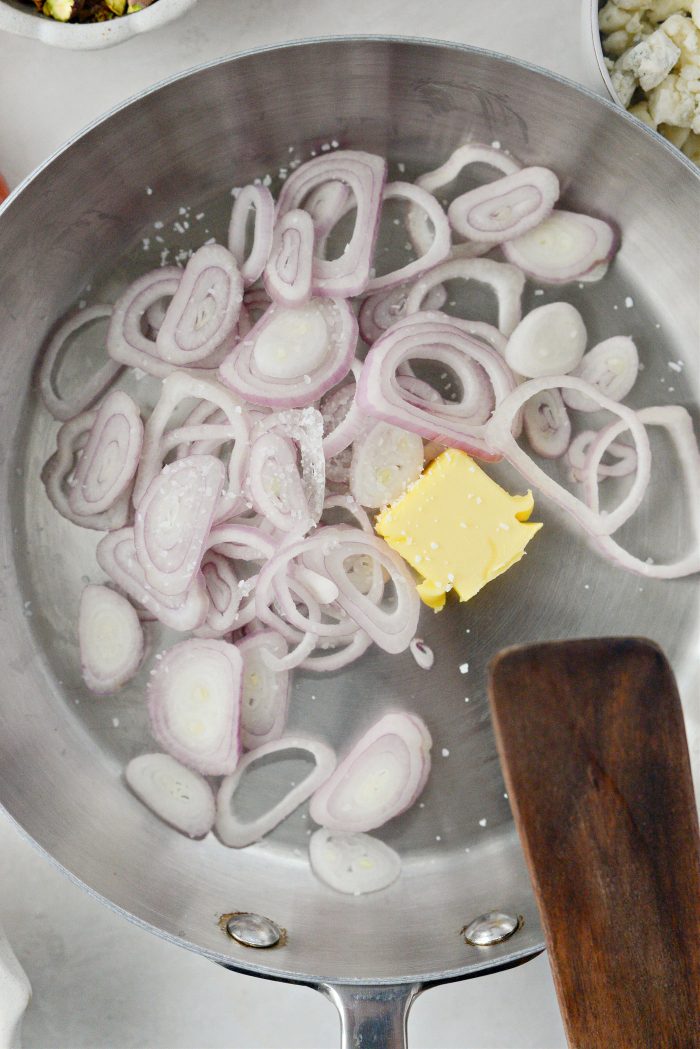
[(457, 528)]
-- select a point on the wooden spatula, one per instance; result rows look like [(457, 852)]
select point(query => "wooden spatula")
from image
[(594, 753)]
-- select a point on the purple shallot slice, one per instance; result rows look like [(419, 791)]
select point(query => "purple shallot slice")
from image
[(194, 700), (238, 833), (381, 776)]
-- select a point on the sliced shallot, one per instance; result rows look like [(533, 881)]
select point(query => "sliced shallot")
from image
[(353, 864), (293, 356), (288, 268), (111, 639), (506, 281), (384, 463), (337, 659), (382, 776), (304, 426), (550, 340), (679, 425), (281, 579), (265, 694), (392, 630), (326, 205), (126, 341), (364, 174), (486, 332), (439, 247), (237, 833), (547, 425), (382, 309), (92, 387), (116, 555), (342, 420), (462, 158), (194, 704), (465, 157), (158, 441), (255, 301), (345, 503), (225, 594), (506, 208), (419, 392), (240, 542), (499, 431), (578, 451), (203, 313), (433, 337), (176, 794), (155, 315), (422, 653), (565, 247), (110, 458), (260, 199), (173, 521), (274, 484), (58, 477), (612, 367)]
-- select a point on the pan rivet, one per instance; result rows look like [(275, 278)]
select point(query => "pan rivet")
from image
[(488, 929), (253, 930)]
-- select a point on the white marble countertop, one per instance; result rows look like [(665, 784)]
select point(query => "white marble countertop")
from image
[(100, 982)]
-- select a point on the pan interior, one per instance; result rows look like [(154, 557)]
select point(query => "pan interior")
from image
[(172, 160)]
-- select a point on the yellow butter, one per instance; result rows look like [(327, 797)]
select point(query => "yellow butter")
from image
[(457, 528)]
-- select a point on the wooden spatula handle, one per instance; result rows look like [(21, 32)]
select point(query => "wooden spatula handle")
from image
[(595, 758)]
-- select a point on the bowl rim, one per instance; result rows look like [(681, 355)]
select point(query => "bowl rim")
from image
[(20, 20), (596, 39), (612, 103)]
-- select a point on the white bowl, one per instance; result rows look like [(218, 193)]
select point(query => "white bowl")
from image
[(23, 20), (593, 48)]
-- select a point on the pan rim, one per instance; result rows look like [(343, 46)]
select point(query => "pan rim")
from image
[(489, 964), (270, 972), (358, 38)]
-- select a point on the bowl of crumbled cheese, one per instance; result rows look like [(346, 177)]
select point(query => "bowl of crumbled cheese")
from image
[(648, 54)]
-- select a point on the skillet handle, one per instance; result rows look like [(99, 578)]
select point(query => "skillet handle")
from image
[(372, 1017)]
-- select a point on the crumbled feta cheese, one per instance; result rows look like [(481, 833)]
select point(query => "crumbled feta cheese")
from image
[(685, 35), (660, 10), (651, 60), (611, 17), (641, 111), (633, 5), (672, 103), (624, 83), (616, 43), (690, 72), (675, 135), (691, 147), (658, 44), (637, 28)]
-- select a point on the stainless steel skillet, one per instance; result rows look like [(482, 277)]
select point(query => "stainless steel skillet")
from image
[(87, 218)]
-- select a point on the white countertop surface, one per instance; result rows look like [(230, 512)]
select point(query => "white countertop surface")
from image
[(98, 981)]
